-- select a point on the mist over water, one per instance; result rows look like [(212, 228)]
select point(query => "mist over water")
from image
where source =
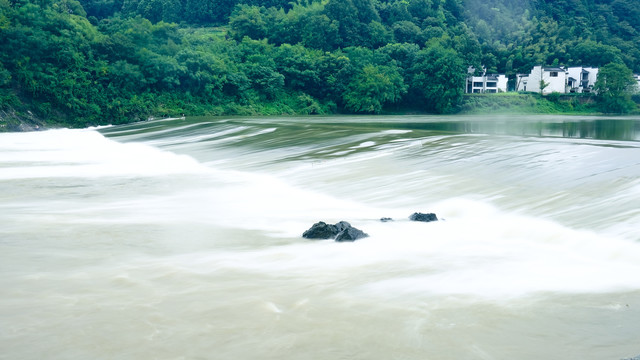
[(182, 239)]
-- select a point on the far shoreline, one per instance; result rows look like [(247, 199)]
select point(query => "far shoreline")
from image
[(510, 103)]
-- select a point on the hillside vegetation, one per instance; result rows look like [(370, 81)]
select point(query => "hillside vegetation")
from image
[(91, 62)]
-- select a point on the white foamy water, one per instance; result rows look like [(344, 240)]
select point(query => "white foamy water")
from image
[(172, 239)]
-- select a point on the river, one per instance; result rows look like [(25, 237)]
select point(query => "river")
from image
[(181, 239)]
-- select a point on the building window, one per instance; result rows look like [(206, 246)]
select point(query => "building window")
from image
[(477, 84), (492, 84), (491, 91), (554, 74), (476, 91)]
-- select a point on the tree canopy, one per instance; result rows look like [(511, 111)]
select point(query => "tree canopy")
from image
[(87, 62), (614, 87)]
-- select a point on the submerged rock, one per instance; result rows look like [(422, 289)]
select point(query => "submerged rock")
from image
[(423, 217), (342, 231), (386, 219)]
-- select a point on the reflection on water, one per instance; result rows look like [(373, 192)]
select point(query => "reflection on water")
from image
[(600, 129)]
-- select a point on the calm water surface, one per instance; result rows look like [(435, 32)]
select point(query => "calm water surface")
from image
[(181, 239)]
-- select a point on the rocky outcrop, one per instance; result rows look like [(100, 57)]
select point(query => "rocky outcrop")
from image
[(423, 217), (350, 234), (321, 230), (342, 231), (12, 121)]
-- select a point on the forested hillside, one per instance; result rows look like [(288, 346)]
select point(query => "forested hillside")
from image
[(113, 61)]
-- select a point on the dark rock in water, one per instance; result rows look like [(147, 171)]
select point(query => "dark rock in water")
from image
[(342, 225), (342, 231), (633, 358), (351, 234), (385, 219), (321, 230), (423, 217)]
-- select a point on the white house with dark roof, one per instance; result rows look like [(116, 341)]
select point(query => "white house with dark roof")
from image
[(554, 78), (581, 79), (487, 83)]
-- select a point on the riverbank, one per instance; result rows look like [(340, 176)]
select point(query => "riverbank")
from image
[(530, 103), (13, 121), (27, 115), (18, 120)]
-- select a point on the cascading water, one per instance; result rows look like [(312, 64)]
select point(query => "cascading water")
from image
[(182, 239)]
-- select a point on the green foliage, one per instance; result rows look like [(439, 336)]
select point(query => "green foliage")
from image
[(249, 21), (353, 18), (438, 78), (88, 62), (372, 88), (614, 87), (596, 53), (518, 103)]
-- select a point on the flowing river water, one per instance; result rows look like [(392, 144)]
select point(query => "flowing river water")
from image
[(181, 239)]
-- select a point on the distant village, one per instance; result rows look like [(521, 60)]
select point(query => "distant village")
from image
[(577, 79)]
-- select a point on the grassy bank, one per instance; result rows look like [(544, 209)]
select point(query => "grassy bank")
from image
[(529, 103)]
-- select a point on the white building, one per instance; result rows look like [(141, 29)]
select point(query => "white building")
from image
[(486, 84), (581, 79), (555, 80), (637, 77)]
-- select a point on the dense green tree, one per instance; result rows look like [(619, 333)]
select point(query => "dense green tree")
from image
[(395, 11), (614, 86), (320, 32), (205, 73), (595, 53), (101, 8), (379, 35), (208, 11), (403, 54), (126, 77), (407, 32), (257, 62), (249, 21), (438, 77), (373, 87), (421, 9), (336, 71), (353, 18), (299, 66)]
